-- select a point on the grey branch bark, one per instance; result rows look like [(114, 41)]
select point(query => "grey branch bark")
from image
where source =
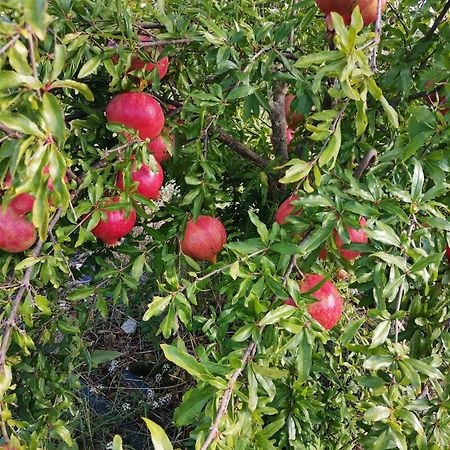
[(239, 148), (438, 20), (278, 119), (373, 59), (369, 159)]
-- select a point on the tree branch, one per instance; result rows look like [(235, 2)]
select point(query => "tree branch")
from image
[(11, 133), (9, 44), (165, 42), (278, 119), (369, 159), (373, 59), (239, 148), (150, 25), (33, 56), (438, 20)]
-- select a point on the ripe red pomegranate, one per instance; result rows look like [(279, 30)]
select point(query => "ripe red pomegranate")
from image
[(116, 225), (137, 110), (17, 234), (345, 8), (160, 147), (447, 252), (328, 309), (285, 210), (138, 64), (357, 236), (149, 182), (289, 135), (204, 238), (23, 203), (293, 119)]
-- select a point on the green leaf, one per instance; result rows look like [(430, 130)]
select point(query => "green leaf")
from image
[(304, 358), (397, 261), (59, 61), (425, 262), (436, 222), (117, 443), (160, 440), (252, 390), (35, 14), (18, 58), (378, 362), (411, 419), (5, 380), (240, 92), (383, 233), (101, 356), (64, 434), (191, 365), (138, 267), (43, 304), (332, 149), (381, 333), (90, 66), (81, 293), (260, 227), (156, 307), (391, 113), (411, 374), (21, 123), (54, 116), (382, 441), (417, 182), (274, 316), (425, 369), (318, 58), (244, 333), (285, 248), (317, 238), (193, 402), (350, 331), (298, 170), (377, 413), (399, 439), (82, 88)]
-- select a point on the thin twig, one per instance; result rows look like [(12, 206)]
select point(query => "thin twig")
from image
[(11, 133), (293, 31), (373, 59), (150, 25), (248, 354), (239, 148), (438, 20), (33, 56), (9, 44), (165, 42), (278, 119)]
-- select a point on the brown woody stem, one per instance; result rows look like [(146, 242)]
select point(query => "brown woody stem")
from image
[(278, 119)]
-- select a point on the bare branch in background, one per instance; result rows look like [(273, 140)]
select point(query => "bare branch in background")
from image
[(373, 59), (438, 20), (9, 44), (278, 119)]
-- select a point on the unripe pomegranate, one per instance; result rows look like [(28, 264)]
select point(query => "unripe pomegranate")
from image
[(293, 119), (357, 236), (160, 146), (286, 209), (17, 234), (116, 225), (328, 309), (137, 110), (447, 252), (204, 238), (345, 8), (149, 182)]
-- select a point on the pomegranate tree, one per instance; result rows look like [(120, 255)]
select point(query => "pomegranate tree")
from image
[(148, 182), (286, 209), (356, 236), (17, 234), (294, 119), (328, 309), (345, 8), (137, 110), (115, 225), (204, 238)]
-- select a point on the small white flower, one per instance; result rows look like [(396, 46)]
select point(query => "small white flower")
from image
[(109, 445), (158, 378), (126, 406), (112, 365)]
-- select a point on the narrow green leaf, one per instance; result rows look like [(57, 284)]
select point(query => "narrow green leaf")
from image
[(350, 331), (318, 58), (160, 440), (260, 227), (82, 88), (381, 333), (90, 66), (35, 14), (425, 262), (54, 116), (156, 307), (99, 357), (273, 316), (138, 267), (117, 443), (377, 413), (21, 123), (332, 149)]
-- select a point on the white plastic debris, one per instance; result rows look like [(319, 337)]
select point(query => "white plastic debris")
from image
[(129, 326)]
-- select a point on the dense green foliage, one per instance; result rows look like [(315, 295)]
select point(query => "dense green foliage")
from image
[(380, 378)]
